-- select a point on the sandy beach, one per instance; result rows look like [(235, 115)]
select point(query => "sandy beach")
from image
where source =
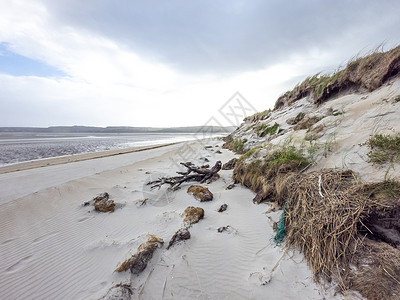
[(53, 247)]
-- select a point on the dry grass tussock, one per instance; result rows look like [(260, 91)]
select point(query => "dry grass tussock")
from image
[(364, 73), (336, 222)]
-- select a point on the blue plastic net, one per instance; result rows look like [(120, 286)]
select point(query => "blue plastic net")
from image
[(280, 230)]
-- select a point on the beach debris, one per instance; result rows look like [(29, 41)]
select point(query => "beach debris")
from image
[(231, 186), (120, 291), (102, 203), (208, 147), (259, 278), (205, 159), (200, 193), (192, 215), (193, 173), (223, 208), (228, 229), (230, 164), (141, 202), (180, 235), (218, 152), (138, 262), (222, 229)]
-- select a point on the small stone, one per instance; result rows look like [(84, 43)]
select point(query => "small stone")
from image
[(102, 203), (193, 215), (231, 186), (138, 262), (180, 235), (224, 228), (200, 193), (223, 208)]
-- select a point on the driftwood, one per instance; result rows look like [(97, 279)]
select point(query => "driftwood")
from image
[(193, 173)]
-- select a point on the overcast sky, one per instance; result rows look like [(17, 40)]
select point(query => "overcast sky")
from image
[(172, 63)]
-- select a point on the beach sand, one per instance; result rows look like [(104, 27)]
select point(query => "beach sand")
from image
[(53, 247)]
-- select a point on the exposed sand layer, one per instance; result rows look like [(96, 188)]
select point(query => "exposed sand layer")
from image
[(338, 139), (52, 247)]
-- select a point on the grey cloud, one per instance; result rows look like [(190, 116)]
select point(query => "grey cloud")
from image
[(233, 36)]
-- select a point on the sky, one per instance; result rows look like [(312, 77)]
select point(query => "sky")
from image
[(173, 63)]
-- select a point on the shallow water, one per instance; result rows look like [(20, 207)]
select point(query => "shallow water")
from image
[(20, 147)]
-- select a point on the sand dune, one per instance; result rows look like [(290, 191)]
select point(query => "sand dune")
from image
[(52, 247)]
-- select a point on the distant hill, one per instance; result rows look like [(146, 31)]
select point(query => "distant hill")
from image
[(119, 129)]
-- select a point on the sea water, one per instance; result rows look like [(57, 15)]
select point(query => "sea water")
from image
[(20, 147)]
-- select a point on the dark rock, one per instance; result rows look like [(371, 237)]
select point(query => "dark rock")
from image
[(200, 193), (231, 186), (193, 215), (228, 229), (230, 164), (120, 291), (138, 262), (207, 147), (223, 208), (102, 203), (224, 228), (140, 259), (180, 235), (103, 196), (219, 152)]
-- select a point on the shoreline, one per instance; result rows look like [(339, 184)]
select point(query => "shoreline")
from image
[(52, 161)]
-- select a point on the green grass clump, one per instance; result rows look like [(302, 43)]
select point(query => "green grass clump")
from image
[(288, 154), (238, 145), (263, 129), (384, 148), (247, 155)]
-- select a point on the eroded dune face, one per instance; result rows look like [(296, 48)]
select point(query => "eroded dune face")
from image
[(329, 162)]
